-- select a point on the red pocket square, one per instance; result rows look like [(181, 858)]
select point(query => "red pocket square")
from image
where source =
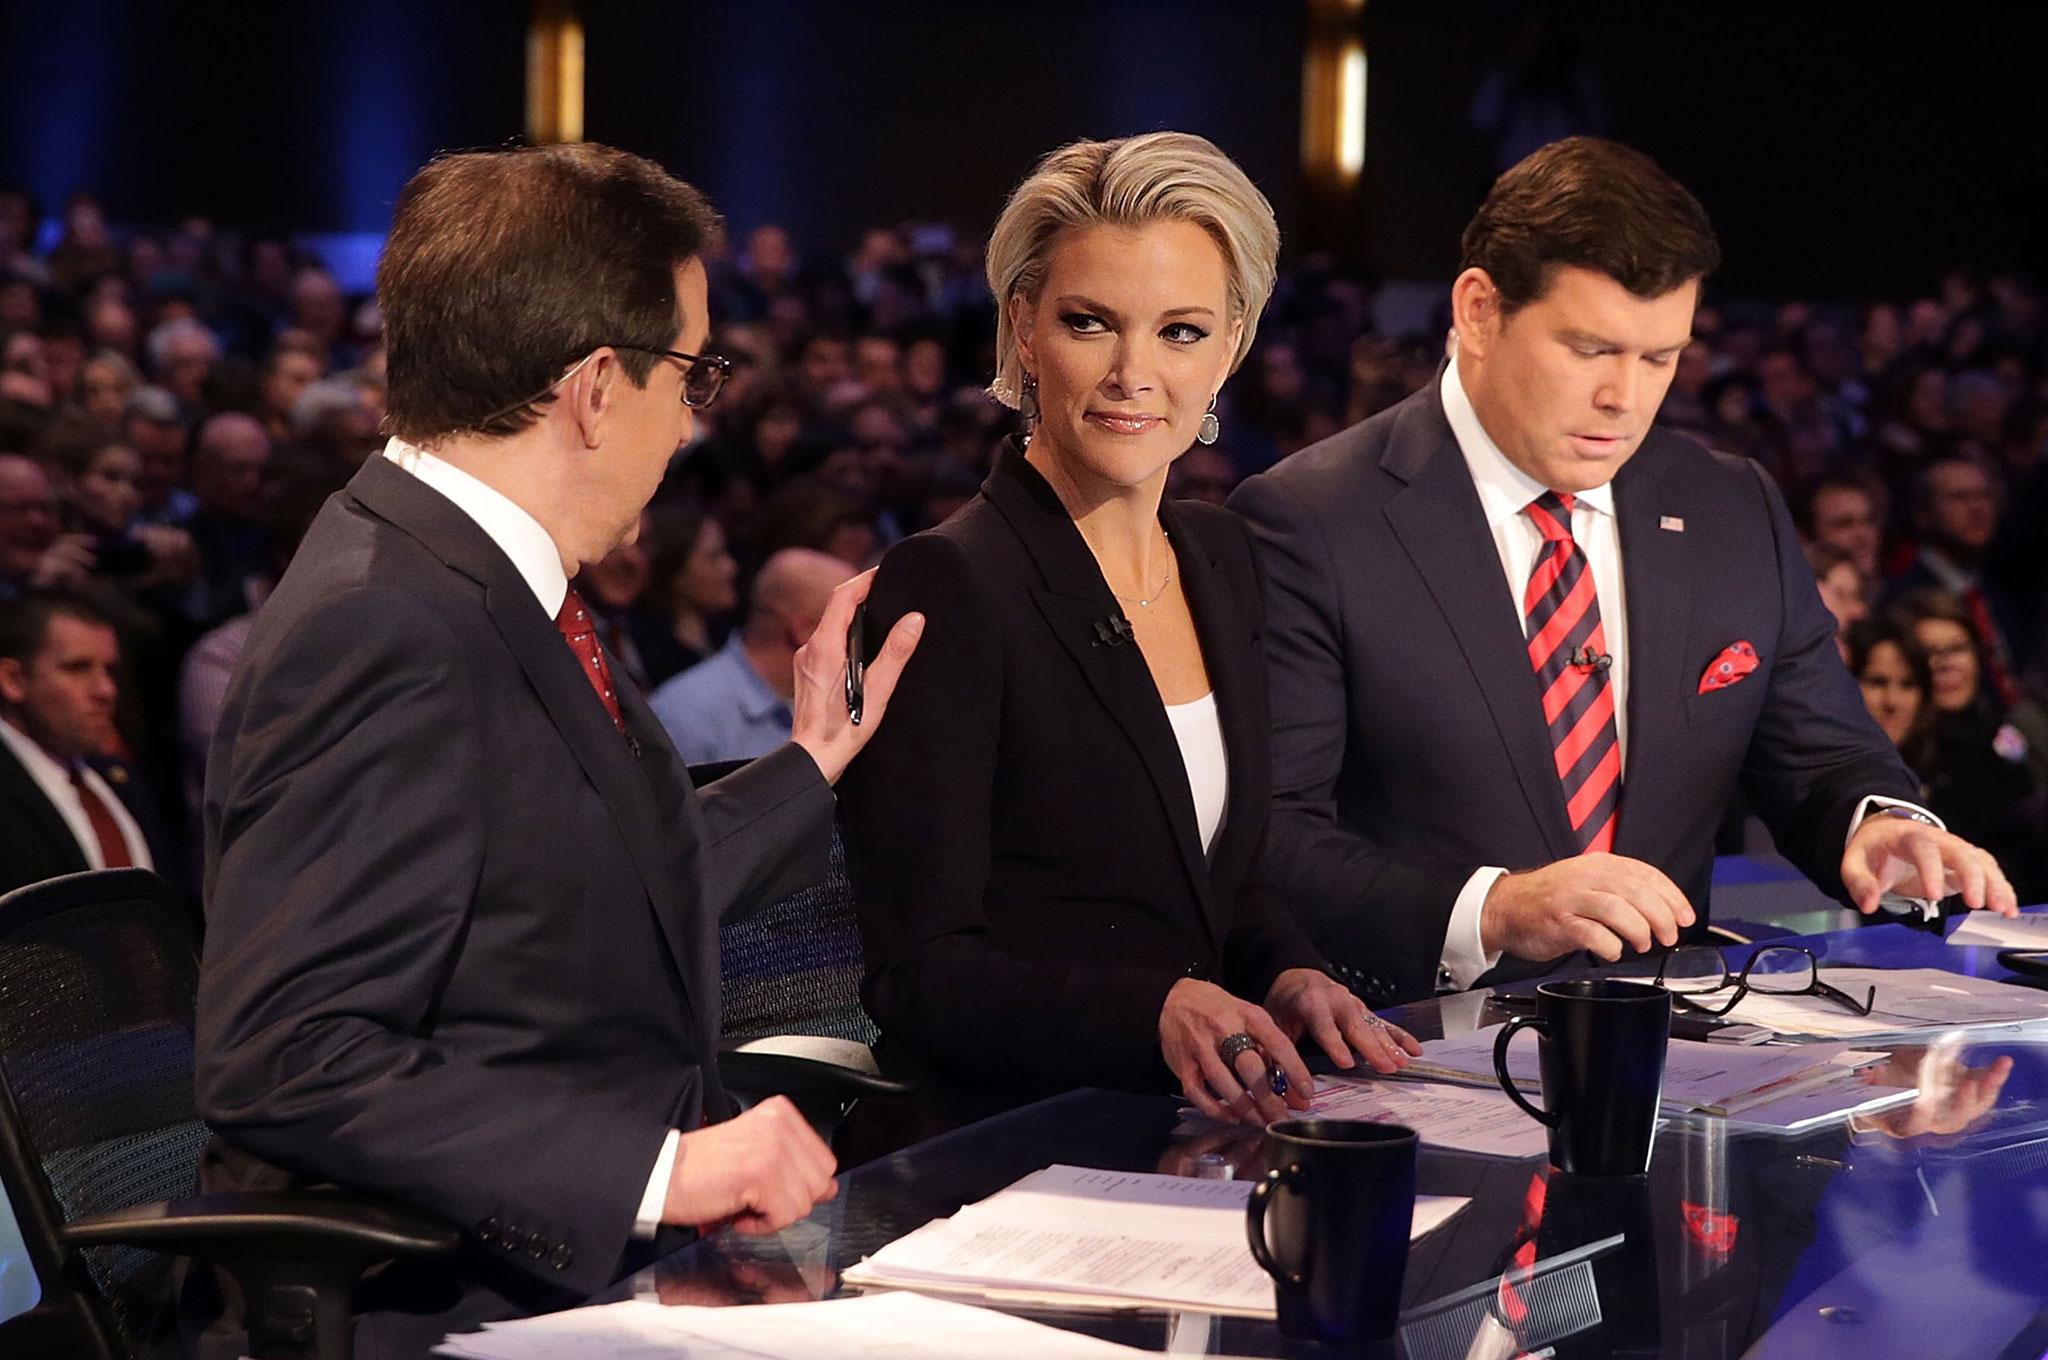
[(1735, 662)]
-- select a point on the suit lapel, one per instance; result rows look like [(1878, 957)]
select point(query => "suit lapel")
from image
[(607, 759), (1073, 599), (20, 787), (1438, 521), (1658, 584), (1226, 635)]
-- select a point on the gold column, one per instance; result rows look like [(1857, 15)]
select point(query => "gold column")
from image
[(554, 73), (1333, 126)]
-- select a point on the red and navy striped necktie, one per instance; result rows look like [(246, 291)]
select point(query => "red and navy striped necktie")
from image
[(1568, 650)]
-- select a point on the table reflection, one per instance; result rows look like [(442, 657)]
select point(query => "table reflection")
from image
[(1928, 1220)]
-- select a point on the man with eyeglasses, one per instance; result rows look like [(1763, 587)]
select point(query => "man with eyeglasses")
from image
[(463, 902)]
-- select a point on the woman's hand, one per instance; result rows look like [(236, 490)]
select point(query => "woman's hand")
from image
[(1309, 1001), (1200, 1015)]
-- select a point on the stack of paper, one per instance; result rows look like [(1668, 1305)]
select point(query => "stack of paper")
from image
[(1981, 927), (1910, 1001), (1783, 1086), (1462, 1118), (878, 1327), (1715, 1078), (1079, 1237)]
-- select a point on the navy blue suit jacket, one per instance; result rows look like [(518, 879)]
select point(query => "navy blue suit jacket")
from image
[(1409, 746), (462, 934)]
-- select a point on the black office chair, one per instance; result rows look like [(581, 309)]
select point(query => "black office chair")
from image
[(793, 1022), (100, 1144)]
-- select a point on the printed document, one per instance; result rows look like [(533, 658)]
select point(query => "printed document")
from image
[(1075, 1235)]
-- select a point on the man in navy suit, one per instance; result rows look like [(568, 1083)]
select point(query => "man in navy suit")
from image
[(1525, 646), (65, 805), (462, 900)]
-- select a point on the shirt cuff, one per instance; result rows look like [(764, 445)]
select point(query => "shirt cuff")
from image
[(1465, 960), (1922, 907), (647, 1222)]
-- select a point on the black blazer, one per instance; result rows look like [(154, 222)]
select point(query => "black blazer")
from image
[(1409, 744), (1021, 832), (462, 941), (36, 842)]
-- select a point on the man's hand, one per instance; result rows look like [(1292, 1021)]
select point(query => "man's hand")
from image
[(1603, 904), (1309, 1001), (759, 1172), (1199, 1015), (66, 565), (1898, 854), (822, 726)]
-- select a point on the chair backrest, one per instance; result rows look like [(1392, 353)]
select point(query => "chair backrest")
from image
[(794, 966), (98, 973)]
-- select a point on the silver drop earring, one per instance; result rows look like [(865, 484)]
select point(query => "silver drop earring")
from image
[(1027, 399), (1212, 428)]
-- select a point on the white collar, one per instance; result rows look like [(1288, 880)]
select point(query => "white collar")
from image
[(518, 535), (41, 765), (1504, 489)]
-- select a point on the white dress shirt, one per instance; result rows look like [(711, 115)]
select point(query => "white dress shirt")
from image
[(534, 555), (1504, 494), (54, 779)]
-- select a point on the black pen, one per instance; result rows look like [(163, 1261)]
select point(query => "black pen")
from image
[(856, 661)]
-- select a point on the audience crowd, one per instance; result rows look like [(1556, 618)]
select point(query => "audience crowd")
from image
[(175, 406)]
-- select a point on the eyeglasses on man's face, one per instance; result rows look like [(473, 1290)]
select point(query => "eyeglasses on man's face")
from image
[(1697, 976), (703, 374)]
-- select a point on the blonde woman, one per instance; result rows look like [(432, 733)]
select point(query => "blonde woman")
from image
[(1056, 842)]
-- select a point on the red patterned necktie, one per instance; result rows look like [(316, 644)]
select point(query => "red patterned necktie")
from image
[(581, 634), (113, 845), (1568, 650)]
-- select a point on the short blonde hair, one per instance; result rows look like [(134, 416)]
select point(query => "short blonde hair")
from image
[(1161, 176)]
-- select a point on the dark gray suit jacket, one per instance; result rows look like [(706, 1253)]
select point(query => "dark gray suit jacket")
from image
[(462, 935), (1409, 745)]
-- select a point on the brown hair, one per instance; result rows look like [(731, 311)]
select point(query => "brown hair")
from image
[(1594, 204), (505, 267)]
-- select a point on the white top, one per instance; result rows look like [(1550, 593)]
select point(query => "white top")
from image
[(534, 554), (55, 781), (1200, 734)]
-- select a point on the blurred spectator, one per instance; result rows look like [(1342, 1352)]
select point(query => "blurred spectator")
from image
[(66, 804), (34, 553), (1846, 511), (294, 365), (1844, 589), (736, 705), (807, 512), (1955, 511), (151, 425), (229, 455), (1896, 683), (1977, 783), (182, 355), (614, 589), (692, 586), (105, 383), (210, 664)]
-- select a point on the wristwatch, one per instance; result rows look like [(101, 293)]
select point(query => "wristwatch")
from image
[(1911, 814)]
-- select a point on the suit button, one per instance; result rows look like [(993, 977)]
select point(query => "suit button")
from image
[(487, 1232), (562, 1257), (512, 1239), (535, 1247)]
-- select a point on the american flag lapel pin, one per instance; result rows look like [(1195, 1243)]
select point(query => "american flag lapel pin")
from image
[(1672, 522)]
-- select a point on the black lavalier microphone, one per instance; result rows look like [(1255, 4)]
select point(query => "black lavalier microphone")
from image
[(1113, 630)]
